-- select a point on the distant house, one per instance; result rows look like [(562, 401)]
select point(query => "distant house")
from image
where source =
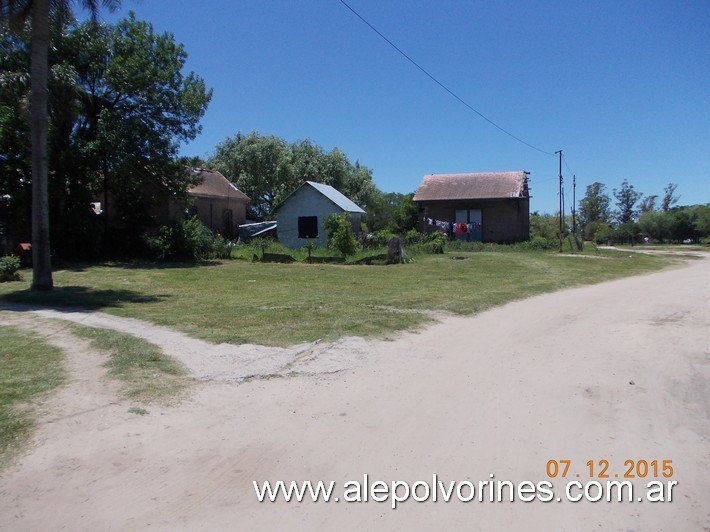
[(493, 206), (218, 203), (302, 215)]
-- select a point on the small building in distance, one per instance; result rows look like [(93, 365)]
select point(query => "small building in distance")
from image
[(218, 204), (301, 216), (493, 206)]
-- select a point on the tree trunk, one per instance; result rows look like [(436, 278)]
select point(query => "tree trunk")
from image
[(39, 65)]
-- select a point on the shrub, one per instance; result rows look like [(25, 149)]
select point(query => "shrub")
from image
[(340, 234), (221, 248), (187, 240), (8, 268), (435, 242), (378, 239), (538, 243)]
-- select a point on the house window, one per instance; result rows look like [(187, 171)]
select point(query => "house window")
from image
[(307, 226)]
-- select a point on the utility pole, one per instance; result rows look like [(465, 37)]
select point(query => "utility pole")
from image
[(574, 200), (561, 205)]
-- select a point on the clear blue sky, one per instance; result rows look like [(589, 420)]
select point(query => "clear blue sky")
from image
[(622, 87)]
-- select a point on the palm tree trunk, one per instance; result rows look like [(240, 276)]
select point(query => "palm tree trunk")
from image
[(39, 65)]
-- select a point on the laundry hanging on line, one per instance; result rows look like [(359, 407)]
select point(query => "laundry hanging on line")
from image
[(453, 227)]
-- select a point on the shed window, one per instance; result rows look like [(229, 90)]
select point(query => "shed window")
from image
[(307, 226)]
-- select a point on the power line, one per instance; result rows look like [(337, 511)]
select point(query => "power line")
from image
[(564, 158), (538, 181), (435, 80)]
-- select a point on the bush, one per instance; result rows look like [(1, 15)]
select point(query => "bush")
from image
[(340, 234), (8, 268), (538, 244), (222, 248), (188, 241), (378, 239)]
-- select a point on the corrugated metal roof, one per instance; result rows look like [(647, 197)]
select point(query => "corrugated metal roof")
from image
[(484, 185), (336, 197), (215, 185)]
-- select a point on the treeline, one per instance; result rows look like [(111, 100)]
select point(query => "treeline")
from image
[(628, 216)]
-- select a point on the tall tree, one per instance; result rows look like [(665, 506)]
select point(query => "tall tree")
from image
[(260, 166), (656, 225), (594, 206), (268, 169), (119, 108), (38, 11), (647, 204), (626, 198), (669, 197)]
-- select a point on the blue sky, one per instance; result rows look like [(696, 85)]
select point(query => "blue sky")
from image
[(622, 87)]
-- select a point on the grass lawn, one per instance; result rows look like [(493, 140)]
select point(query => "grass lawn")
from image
[(28, 368), (281, 304)]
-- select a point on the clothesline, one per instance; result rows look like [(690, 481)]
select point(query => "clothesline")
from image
[(457, 228)]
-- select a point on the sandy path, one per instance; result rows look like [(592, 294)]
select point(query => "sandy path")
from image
[(502, 393), (224, 362)]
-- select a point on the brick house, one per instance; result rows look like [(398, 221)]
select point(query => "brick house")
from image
[(494, 205), (218, 203)]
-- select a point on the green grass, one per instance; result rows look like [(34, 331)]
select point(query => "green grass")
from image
[(282, 304), (145, 373), (29, 368)]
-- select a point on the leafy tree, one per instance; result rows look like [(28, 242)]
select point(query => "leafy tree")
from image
[(701, 220), (142, 111), (268, 169), (626, 198), (683, 227), (594, 206), (359, 187), (38, 12), (260, 166), (119, 108), (340, 234), (656, 225), (404, 215), (545, 226), (628, 232), (669, 197)]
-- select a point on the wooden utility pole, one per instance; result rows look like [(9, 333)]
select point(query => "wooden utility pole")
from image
[(574, 200), (561, 233)]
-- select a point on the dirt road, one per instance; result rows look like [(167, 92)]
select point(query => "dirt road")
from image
[(615, 372)]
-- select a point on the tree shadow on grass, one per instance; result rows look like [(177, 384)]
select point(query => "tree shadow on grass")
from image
[(164, 265), (80, 267), (77, 297)]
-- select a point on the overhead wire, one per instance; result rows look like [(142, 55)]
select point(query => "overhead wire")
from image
[(440, 84), (564, 159)]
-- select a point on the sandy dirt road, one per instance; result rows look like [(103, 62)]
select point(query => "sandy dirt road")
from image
[(502, 393)]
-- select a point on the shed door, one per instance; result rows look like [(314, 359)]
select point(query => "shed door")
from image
[(473, 220), (227, 223)]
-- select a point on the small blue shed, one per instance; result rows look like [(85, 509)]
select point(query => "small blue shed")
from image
[(301, 216)]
